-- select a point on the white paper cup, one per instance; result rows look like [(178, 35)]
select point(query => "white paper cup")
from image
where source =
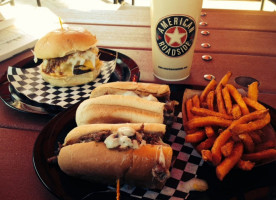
[(174, 26)]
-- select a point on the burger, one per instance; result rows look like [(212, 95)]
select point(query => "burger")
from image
[(70, 57)]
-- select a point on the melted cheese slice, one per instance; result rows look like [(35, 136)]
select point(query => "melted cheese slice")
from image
[(87, 65)]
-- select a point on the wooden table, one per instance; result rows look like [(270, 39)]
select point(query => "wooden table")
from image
[(243, 42)]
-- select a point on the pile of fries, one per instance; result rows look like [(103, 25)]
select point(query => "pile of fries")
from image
[(228, 128)]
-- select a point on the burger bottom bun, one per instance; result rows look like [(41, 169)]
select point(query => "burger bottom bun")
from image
[(68, 81)]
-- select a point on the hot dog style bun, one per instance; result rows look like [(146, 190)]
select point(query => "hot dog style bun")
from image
[(133, 153), (160, 91), (70, 57), (119, 109)]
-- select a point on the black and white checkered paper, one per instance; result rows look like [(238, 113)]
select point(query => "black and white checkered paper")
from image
[(29, 82), (186, 161)]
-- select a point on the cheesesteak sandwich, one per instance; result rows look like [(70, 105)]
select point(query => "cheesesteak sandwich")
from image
[(133, 153), (124, 109), (70, 57), (127, 102)]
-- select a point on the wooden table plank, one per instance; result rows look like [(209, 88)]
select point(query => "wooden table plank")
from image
[(238, 42), (140, 16), (266, 21), (18, 177), (120, 36), (222, 41)]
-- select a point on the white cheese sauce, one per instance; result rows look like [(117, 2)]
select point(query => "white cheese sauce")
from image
[(127, 131), (122, 139), (150, 97), (161, 159)]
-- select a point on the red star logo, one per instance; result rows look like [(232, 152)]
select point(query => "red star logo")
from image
[(176, 36)]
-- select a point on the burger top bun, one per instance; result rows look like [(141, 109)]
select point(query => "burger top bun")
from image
[(61, 42)]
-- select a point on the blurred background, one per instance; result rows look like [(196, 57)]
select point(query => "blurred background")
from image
[(24, 21), (266, 5)]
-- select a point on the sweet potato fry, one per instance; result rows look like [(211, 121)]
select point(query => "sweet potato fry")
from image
[(224, 80), (253, 104), (208, 121), (210, 100), (219, 142), (257, 106), (229, 162), (220, 102), (269, 154), (189, 105), (209, 131), (236, 111), (196, 101), (184, 115), (248, 143), (251, 126), (227, 100), (253, 91), (238, 98), (211, 86), (258, 114), (206, 144), (226, 134), (206, 155), (205, 112), (245, 165), (227, 148), (195, 137)]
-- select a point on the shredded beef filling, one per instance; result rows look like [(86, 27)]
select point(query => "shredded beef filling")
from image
[(97, 137), (52, 63), (150, 138), (169, 116)]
